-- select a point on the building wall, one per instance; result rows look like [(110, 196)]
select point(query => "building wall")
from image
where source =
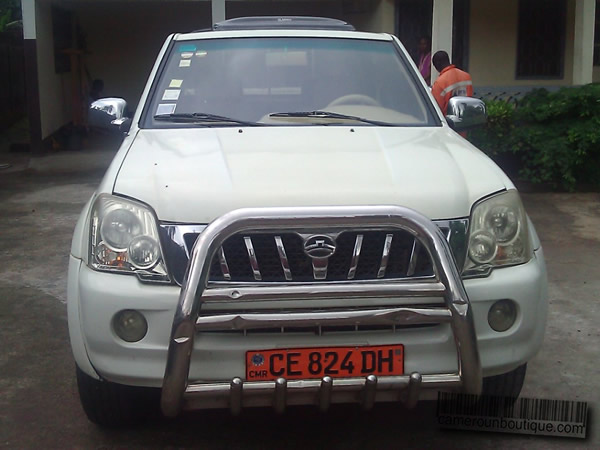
[(376, 15), (55, 89), (493, 44), (124, 38)]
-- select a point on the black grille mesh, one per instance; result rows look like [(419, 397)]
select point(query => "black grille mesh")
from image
[(300, 264)]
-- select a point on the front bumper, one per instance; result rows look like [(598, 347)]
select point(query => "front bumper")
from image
[(217, 366)]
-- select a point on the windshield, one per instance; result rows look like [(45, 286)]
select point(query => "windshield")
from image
[(287, 81)]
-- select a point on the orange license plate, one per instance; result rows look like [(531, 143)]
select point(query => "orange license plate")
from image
[(336, 362)]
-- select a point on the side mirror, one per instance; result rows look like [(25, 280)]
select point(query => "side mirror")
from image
[(109, 114), (466, 112)]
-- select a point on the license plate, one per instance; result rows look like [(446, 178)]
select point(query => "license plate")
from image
[(336, 362)]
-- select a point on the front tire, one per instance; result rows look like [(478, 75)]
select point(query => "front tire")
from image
[(113, 405), (505, 385)]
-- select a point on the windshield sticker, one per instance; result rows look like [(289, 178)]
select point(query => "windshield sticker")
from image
[(175, 83), (185, 63), (201, 53), (187, 55), (165, 108), (255, 91), (171, 94), (286, 91), (187, 48)]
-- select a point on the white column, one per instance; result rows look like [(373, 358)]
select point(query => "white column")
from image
[(583, 46), (441, 30), (28, 14), (218, 10)]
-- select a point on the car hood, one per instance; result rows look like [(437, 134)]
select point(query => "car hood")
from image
[(195, 175)]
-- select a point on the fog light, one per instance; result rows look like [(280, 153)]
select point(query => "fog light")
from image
[(502, 315), (130, 325)]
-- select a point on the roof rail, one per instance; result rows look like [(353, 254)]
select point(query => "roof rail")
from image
[(282, 22)]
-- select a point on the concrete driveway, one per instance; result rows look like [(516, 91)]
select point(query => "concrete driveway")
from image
[(39, 406)]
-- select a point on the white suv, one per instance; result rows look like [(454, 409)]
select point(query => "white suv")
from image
[(291, 220)]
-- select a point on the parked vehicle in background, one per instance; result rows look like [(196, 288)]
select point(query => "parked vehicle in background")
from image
[(291, 220)]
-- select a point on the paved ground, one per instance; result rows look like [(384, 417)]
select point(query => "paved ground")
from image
[(38, 399)]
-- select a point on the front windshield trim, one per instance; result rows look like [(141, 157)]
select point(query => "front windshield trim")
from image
[(147, 118)]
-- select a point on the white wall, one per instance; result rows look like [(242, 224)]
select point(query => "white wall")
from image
[(55, 89)]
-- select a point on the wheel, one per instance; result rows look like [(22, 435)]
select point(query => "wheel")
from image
[(505, 385), (354, 99), (114, 405)]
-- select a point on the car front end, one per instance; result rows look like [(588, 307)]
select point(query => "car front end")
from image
[(294, 245)]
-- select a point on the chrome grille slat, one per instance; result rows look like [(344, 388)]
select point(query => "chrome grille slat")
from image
[(414, 256), (252, 258), (385, 256), (285, 265), (320, 266), (223, 264), (355, 256)]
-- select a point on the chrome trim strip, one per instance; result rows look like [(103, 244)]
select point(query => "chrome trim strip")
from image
[(285, 265), (252, 258), (314, 291), (223, 264), (387, 316), (414, 255), (385, 256), (355, 256), (194, 290), (268, 284)]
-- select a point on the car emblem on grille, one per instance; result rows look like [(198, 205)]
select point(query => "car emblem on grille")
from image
[(320, 246)]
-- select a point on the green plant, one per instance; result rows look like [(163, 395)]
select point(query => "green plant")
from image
[(554, 136), (10, 11)]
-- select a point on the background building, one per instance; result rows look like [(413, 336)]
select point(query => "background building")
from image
[(506, 45)]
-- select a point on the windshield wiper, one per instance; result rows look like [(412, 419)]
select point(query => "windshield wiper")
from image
[(202, 117), (330, 115)]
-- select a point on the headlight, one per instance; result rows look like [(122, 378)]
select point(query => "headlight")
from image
[(498, 234), (124, 238)]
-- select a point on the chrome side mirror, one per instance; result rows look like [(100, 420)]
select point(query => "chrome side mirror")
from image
[(466, 112), (109, 114)]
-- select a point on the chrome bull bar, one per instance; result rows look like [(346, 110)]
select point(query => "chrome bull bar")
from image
[(195, 291)]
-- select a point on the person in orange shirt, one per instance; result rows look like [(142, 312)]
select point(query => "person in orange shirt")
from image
[(451, 82)]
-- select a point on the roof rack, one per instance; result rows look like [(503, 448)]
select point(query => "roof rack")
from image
[(282, 22)]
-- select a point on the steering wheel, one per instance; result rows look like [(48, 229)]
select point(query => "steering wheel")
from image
[(354, 99)]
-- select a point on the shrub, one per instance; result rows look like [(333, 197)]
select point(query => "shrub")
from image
[(554, 136)]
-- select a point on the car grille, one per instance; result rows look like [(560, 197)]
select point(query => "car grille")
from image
[(272, 257)]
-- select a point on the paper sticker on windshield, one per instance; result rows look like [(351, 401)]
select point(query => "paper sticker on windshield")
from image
[(175, 83), (187, 55), (165, 108), (171, 94), (187, 48), (201, 53), (185, 63)]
